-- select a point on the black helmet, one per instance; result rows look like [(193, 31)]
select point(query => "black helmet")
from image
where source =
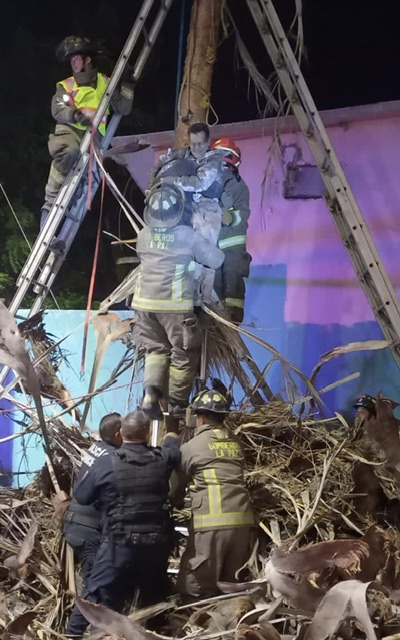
[(210, 402), (72, 45), (366, 402), (165, 204)]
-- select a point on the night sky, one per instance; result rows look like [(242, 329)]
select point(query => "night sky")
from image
[(352, 50)]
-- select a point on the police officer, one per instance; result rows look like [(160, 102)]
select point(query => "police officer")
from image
[(131, 487), (221, 530), (82, 528)]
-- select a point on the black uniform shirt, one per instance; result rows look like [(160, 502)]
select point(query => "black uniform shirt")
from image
[(97, 483)]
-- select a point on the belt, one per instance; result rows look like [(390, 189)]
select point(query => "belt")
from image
[(144, 538), (78, 518)]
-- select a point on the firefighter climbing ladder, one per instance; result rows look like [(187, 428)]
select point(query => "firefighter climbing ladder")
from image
[(339, 197), (70, 207)]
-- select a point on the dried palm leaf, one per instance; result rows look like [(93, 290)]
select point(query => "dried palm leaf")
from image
[(13, 354), (17, 561), (109, 328), (112, 622), (19, 626), (342, 601), (344, 554)]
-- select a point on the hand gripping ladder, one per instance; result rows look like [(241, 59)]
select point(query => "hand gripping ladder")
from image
[(70, 206), (339, 197)]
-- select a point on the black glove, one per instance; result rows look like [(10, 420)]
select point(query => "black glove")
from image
[(81, 118)]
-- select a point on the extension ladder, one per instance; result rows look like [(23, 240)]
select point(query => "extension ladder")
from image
[(339, 197)]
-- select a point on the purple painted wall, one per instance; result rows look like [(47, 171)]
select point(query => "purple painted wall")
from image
[(303, 295)]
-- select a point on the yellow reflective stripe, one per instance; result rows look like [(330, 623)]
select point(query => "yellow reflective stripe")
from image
[(216, 517), (220, 434), (214, 492), (126, 92), (156, 358), (177, 282), (230, 519), (68, 84), (235, 241), (178, 374), (192, 265), (150, 304), (234, 302)]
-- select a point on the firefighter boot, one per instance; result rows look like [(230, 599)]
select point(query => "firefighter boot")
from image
[(151, 403)]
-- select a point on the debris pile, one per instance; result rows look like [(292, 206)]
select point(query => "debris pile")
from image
[(321, 548)]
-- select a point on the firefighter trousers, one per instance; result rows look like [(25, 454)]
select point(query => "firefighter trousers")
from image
[(210, 557), (63, 146), (172, 343), (229, 281)]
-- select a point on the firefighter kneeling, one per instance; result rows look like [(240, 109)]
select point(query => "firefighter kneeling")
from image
[(221, 530)]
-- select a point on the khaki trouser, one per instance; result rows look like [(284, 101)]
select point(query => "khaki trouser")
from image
[(172, 342), (210, 557), (63, 146), (206, 220)]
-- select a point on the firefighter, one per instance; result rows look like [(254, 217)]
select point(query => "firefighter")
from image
[(365, 407), (235, 202), (73, 107), (82, 528), (131, 487), (221, 531), (165, 324)]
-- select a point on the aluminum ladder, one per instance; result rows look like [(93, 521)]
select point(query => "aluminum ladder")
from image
[(70, 207), (345, 212)]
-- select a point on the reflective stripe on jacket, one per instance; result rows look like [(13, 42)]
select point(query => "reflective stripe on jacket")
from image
[(87, 98), (214, 464), (235, 198), (166, 276)]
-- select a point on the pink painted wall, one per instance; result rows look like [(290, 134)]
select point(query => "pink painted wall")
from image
[(321, 283)]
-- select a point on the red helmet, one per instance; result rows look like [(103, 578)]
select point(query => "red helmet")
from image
[(233, 155)]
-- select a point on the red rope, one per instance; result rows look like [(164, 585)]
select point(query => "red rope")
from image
[(92, 277)]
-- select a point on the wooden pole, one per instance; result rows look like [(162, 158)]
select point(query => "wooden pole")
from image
[(202, 42)]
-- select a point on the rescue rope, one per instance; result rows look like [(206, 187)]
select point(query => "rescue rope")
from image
[(92, 278)]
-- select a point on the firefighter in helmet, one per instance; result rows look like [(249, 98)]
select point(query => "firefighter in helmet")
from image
[(221, 531), (235, 203), (165, 324), (365, 407), (73, 106)]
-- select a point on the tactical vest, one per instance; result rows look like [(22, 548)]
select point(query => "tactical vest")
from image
[(142, 483), (87, 99)]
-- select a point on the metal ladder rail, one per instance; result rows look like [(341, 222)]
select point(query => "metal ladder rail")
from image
[(341, 202), (73, 222), (67, 192)]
